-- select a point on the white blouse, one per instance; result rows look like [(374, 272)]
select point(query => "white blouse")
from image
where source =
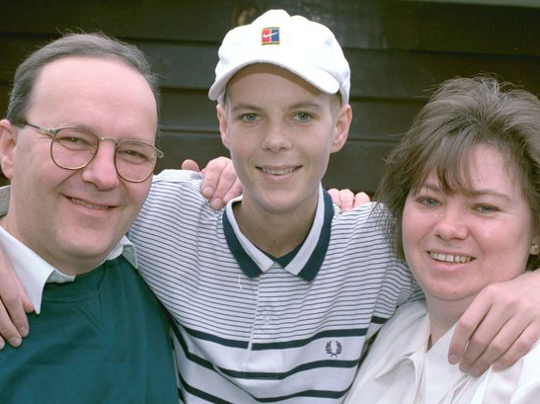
[(400, 370)]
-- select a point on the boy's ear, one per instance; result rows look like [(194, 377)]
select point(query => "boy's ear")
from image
[(222, 118), (8, 141), (341, 129)]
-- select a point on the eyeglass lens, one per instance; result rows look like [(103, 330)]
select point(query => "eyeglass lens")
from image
[(74, 149)]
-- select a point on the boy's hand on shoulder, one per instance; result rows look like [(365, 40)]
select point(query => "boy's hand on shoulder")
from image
[(499, 327), (220, 183), (345, 199)]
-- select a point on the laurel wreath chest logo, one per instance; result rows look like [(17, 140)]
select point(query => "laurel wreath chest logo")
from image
[(334, 348)]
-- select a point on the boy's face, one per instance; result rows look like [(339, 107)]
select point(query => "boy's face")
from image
[(280, 131)]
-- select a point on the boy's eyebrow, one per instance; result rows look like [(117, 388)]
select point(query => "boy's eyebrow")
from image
[(306, 104), (299, 105), (244, 106)]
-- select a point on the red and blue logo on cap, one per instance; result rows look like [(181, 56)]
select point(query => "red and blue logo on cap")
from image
[(270, 36)]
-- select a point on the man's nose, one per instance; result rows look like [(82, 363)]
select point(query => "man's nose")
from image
[(101, 171)]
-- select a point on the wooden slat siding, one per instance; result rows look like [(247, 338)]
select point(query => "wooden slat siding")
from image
[(396, 51), (4, 89), (366, 24), (376, 74)]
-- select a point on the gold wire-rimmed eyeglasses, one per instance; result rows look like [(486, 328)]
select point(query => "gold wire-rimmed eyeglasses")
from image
[(73, 148)]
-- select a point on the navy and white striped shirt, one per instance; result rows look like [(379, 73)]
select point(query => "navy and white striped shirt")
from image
[(248, 330)]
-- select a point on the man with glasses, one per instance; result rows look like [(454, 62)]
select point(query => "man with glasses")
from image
[(78, 147)]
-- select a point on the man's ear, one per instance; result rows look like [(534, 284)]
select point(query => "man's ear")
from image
[(222, 118), (8, 143), (341, 129)]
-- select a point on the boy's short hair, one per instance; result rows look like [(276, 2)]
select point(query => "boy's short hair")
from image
[(306, 48)]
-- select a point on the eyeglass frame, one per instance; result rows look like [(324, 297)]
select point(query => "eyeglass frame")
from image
[(52, 132)]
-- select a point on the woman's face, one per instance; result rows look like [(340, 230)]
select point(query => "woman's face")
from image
[(456, 244)]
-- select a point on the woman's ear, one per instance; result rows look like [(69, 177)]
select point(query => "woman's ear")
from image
[(534, 249)]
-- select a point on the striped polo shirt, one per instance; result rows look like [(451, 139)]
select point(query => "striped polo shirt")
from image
[(249, 329)]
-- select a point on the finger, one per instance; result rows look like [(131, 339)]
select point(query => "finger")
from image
[(334, 194), (225, 186), (7, 329), (465, 328), (21, 305), (14, 304), (347, 199), (501, 343), (235, 190), (520, 347), (212, 174), (190, 165), (361, 198), (485, 340)]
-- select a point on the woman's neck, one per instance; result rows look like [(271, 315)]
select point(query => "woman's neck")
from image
[(443, 314)]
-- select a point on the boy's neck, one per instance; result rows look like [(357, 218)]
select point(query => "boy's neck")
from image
[(275, 234)]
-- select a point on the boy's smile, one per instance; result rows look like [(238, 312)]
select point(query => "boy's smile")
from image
[(280, 131)]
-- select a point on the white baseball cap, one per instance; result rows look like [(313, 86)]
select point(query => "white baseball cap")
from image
[(306, 48)]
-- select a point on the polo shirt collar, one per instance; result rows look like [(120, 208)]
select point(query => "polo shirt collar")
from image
[(307, 261), (32, 270)]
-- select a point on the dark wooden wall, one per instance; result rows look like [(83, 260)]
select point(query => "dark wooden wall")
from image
[(396, 49)]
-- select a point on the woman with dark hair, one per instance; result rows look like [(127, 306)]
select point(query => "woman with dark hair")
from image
[(463, 192)]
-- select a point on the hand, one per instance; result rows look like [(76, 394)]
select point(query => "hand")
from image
[(499, 327), (13, 306), (346, 200), (220, 183)]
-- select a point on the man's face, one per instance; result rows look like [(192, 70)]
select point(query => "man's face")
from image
[(74, 218), (280, 131)]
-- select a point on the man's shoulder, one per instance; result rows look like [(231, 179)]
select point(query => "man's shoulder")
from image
[(175, 197), (176, 177), (175, 186)]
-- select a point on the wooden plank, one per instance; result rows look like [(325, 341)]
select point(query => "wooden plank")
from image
[(168, 20), (367, 24), (358, 166), (375, 74), (179, 146), (4, 96), (405, 75)]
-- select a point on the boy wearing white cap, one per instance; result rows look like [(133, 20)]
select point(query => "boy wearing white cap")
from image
[(274, 297)]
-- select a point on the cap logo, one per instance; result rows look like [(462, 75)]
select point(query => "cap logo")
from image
[(270, 36)]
